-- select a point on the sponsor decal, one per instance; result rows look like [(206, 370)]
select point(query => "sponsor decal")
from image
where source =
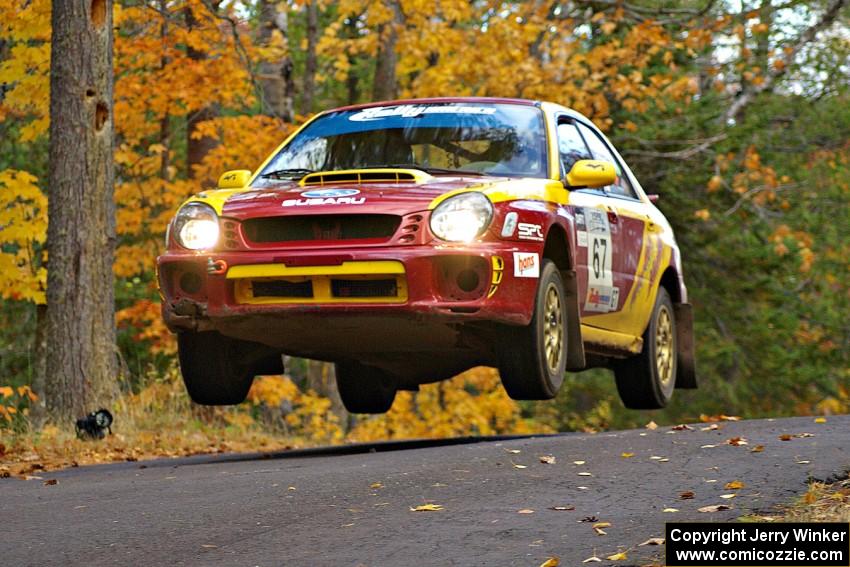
[(602, 299), (328, 193), (510, 224), (581, 237), (326, 197), (526, 265), (414, 110), (579, 218), (529, 231)]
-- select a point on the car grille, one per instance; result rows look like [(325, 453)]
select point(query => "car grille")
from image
[(364, 288), (320, 227)]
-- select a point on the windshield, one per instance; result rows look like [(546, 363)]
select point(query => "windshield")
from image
[(475, 138)]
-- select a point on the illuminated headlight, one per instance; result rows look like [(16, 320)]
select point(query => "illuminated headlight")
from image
[(462, 218), (196, 226)]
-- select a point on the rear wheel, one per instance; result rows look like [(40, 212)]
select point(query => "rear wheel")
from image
[(365, 389), (219, 370), (534, 357), (647, 381)]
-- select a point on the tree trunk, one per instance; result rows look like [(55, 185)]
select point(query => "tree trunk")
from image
[(321, 378), (198, 148), (81, 361), (385, 86), (275, 77), (311, 63)]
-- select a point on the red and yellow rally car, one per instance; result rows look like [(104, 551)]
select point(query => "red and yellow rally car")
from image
[(408, 241)]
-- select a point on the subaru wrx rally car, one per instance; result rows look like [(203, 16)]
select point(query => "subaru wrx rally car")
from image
[(408, 241)]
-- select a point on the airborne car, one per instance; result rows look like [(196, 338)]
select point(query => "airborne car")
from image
[(408, 241)]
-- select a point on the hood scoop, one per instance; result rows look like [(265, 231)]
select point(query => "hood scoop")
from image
[(361, 176)]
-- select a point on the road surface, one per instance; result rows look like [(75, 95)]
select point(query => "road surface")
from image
[(352, 507)]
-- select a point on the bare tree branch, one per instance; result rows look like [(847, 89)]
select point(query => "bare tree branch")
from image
[(746, 96)]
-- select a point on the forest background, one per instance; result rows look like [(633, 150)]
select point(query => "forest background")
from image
[(736, 113)]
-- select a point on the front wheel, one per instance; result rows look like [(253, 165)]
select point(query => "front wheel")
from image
[(534, 358), (365, 389), (218, 370), (646, 381)]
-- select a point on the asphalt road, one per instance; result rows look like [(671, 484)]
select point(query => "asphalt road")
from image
[(325, 507)]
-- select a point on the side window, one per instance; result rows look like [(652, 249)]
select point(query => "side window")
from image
[(570, 145), (622, 186)]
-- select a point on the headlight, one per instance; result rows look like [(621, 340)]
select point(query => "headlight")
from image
[(462, 218), (196, 226)]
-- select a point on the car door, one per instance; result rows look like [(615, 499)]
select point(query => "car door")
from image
[(597, 235), (639, 247)]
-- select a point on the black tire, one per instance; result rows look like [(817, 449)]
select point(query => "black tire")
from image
[(527, 369), (365, 389), (218, 370), (647, 380)]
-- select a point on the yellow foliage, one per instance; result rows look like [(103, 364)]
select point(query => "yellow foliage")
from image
[(23, 230)]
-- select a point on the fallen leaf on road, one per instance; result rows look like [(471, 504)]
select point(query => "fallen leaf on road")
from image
[(627, 455), (688, 495), (653, 541), (708, 446), (593, 559), (785, 437), (602, 525), (617, 556), (427, 508), (585, 474), (712, 427), (562, 508), (728, 496), (729, 418), (513, 451), (652, 426), (682, 427), (820, 420), (711, 480), (551, 562), (525, 511), (803, 462), (600, 531), (656, 458), (516, 466), (714, 508), (209, 545), (663, 460), (670, 510), (582, 488), (376, 485), (589, 519), (804, 435), (547, 459), (757, 449), (51, 482), (579, 462), (736, 441), (734, 485)]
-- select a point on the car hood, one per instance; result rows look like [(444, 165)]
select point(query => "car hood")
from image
[(346, 198)]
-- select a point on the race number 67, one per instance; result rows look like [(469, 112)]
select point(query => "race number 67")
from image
[(599, 263)]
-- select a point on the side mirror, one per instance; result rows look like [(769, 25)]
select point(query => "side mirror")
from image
[(653, 197), (591, 173), (235, 179)]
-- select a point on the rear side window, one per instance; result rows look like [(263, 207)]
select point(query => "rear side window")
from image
[(622, 186), (571, 146)]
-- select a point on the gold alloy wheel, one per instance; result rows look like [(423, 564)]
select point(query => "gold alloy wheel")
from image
[(664, 346), (553, 328)]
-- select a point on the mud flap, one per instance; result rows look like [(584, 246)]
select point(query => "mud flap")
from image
[(575, 345), (686, 377)]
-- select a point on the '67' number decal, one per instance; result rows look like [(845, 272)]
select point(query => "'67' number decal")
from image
[(602, 296)]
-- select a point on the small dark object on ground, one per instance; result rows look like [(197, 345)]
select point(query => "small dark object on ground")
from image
[(95, 425)]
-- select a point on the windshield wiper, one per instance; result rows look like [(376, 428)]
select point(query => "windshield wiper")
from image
[(425, 168), (293, 173)]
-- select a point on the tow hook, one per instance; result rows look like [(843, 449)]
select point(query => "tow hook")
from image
[(216, 267)]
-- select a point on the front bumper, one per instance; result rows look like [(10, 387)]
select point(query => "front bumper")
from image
[(452, 284)]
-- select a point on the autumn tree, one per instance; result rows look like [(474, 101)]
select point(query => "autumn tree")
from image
[(81, 358)]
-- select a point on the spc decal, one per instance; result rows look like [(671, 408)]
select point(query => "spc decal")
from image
[(602, 296), (529, 231), (526, 265)]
